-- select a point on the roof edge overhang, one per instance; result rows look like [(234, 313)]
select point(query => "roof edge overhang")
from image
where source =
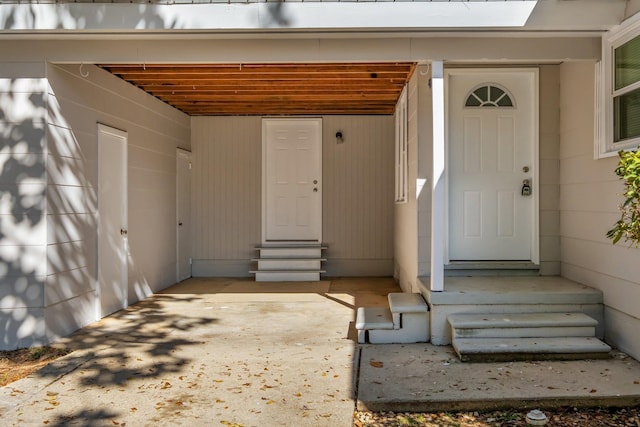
[(147, 20)]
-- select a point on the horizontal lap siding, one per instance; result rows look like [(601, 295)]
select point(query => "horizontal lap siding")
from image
[(589, 199), (23, 229), (76, 104)]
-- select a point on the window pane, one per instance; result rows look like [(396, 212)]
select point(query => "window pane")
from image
[(627, 116), (496, 93), (627, 62)]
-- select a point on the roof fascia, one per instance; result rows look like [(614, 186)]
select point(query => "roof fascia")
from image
[(132, 17)]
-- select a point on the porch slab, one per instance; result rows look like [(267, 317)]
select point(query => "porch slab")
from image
[(509, 294), (498, 290), (424, 377)]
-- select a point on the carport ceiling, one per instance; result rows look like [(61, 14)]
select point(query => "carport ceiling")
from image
[(271, 89)]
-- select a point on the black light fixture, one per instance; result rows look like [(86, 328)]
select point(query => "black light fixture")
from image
[(339, 138)]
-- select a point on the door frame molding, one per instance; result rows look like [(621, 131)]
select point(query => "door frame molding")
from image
[(186, 154), (105, 129), (264, 173), (533, 76)]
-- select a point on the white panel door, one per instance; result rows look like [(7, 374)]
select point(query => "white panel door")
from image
[(183, 214), (492, 139), (112, 220), (292, 150)]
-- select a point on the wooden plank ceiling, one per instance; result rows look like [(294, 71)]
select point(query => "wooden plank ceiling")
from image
[(271, 89)]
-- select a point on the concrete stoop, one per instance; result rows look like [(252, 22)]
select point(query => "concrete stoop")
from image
[(405, 321), (525, 336), (289, 263)]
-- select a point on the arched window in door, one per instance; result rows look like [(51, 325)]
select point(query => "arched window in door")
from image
[(489, 95)]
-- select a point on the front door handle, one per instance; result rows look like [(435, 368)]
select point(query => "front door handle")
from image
[(124, 232), (526, 188)]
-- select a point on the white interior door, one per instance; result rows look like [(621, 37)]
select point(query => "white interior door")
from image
[(183, 214), (292, 180), (112, 220), (492, 140)]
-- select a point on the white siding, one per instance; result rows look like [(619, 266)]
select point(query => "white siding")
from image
[(76, 104), (226, 194), (589, 197), (549, 146), (357, 194), (413, 220), (23, 229)]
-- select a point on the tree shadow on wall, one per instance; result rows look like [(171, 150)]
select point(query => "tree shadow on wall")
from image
[(22, 214)]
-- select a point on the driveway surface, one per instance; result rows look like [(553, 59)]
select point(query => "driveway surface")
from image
[(206, 352), (210, 352)]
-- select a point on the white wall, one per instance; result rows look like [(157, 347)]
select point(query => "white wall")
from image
[(226, 194), (549, 149), (412, 223), (633, 6), (357, 194), (76, 104), (23, 231), (589, 197)]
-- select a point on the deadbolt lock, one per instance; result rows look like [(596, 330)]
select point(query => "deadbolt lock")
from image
[(526, 188)]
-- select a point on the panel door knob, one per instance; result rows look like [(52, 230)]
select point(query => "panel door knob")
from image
[(124, 232), (180, 223)]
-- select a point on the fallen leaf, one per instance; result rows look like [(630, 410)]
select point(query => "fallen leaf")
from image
[(166, 385), (593, 390), (52, 393), (270, 402), (376, 364)]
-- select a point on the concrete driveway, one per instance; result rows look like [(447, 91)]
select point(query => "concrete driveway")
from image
[(208, 352), (213, 352)]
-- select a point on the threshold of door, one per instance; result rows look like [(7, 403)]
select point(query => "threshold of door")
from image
[(492, 268)]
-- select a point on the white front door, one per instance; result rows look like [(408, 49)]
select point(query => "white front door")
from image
[(292, 180), (112, 289), (183, 214), (492, 166)]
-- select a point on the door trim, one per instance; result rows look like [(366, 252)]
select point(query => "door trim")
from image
[(104, 129), (184, 154), (533, 75), (264, 179)]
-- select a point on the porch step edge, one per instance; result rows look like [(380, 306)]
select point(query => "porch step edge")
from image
[(490, 349), (520, 320)]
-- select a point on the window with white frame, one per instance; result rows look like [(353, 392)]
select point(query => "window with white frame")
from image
[(620, 76), (401, 148)]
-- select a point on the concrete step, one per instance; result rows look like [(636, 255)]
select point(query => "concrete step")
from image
[(291, 251), (289, 263), (512, 349), (522, 325), (287, 275)]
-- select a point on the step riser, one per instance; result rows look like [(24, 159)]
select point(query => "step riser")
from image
[(285, 264), (526, 357), (289, 276), (524, 332), (290, 252), (504, 349)]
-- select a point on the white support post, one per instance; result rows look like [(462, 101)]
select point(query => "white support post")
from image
[(438, 184)]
